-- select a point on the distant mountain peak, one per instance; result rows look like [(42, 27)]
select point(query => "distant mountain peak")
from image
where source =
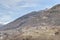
[(56, 6)]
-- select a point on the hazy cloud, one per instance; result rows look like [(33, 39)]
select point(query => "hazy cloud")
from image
[(5, 19)]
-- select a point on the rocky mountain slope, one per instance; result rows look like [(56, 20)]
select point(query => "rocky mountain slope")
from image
[(40, 18), (37, 25)]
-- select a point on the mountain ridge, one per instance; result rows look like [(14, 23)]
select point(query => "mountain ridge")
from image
[(47, 15), (37, 25)]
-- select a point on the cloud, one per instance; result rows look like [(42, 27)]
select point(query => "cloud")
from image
[(5, 19), (9, 3), (13, 4)]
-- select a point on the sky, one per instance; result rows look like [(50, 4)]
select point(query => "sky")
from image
[(10, 10)]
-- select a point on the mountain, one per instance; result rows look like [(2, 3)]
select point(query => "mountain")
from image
[(37, 25), (37, 18)]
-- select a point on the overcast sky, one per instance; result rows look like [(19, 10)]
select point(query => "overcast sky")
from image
[(12, 9)]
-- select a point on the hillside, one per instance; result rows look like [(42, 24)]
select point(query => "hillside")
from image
[(37, 25), (40, 18)]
